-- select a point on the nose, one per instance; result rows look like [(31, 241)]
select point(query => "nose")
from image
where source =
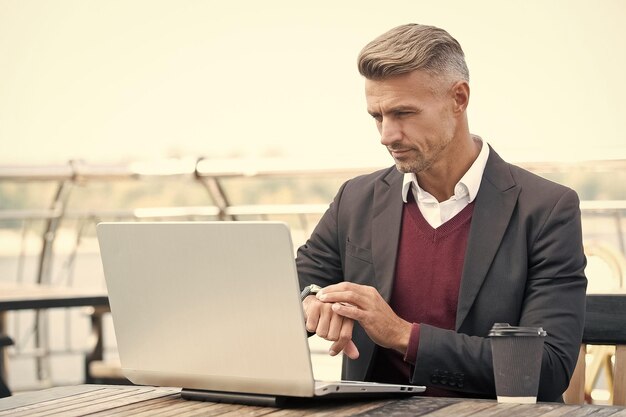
[(390, 132)]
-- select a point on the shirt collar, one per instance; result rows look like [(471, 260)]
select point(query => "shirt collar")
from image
[(467, 186)]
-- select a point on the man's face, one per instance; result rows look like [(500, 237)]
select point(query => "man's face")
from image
[(414, 115)]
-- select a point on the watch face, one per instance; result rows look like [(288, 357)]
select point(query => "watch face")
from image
[(315, 289)]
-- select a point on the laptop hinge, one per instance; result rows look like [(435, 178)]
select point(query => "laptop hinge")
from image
[(233, 397)]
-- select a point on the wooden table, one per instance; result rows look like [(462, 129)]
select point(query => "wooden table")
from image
[(36, 297), (106, 400)]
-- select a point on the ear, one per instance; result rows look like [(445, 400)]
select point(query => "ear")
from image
[(460, 93)]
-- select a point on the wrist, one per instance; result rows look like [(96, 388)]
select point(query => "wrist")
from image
[(403, 336)]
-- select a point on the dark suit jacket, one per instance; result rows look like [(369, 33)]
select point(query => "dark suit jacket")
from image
[(524, 265)]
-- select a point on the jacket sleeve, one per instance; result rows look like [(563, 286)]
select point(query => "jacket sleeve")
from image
[(319, 260)]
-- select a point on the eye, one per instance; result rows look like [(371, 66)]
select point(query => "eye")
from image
[(377, 117)]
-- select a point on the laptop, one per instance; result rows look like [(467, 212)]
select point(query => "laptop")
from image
[(214, 308)]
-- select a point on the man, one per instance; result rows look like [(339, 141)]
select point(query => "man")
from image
[(418, 261)]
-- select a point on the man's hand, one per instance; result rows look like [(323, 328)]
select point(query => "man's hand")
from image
[(365, 305), (321, 320)]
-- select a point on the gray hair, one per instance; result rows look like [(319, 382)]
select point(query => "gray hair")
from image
[(413, 47)]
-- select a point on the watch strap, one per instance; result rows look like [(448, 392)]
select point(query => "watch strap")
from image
[(309, 290)]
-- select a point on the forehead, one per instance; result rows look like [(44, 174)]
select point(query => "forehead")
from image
[(416, 86)]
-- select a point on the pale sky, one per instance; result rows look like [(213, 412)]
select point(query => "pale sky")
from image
[(114, 80)]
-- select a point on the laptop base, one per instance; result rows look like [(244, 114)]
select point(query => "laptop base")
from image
[(285, 401)]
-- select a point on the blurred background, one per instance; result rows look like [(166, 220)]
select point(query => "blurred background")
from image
[(143, 79), (207, 110)]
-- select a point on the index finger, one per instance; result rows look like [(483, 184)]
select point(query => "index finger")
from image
[(350, 294), (342, 286), (344, 343)]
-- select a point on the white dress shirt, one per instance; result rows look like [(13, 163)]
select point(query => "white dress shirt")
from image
[(465, 191)]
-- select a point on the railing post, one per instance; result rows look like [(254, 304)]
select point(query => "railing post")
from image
[(217, 194), (44, 272)]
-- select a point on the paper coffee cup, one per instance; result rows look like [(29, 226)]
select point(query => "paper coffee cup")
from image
[(516, 353)]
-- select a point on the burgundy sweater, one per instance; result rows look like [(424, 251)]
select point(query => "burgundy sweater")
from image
[(426, 285)]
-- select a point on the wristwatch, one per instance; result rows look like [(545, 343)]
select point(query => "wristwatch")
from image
[(309, 290)]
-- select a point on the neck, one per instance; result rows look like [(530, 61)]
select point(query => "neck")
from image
[(441, 178)]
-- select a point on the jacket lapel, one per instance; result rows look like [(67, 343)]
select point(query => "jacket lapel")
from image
[(493, 208), (386, 223)]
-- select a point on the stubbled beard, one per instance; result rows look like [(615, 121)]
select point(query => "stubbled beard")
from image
[(418, 164), (414, 166), (423, 161)]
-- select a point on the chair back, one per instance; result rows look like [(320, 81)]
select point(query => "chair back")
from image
[(605, 325)]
